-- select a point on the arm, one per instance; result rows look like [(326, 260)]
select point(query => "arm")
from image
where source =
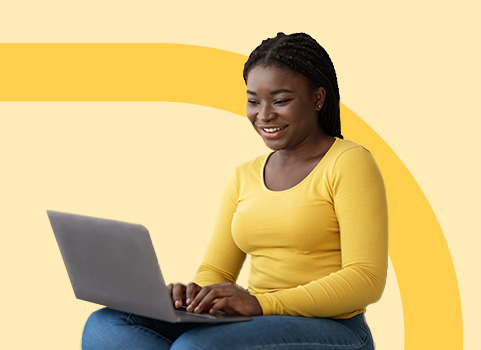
[(221, 266), (359, 200), (223, 259)]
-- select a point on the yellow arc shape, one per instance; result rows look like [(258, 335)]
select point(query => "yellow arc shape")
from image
[(213, 78)]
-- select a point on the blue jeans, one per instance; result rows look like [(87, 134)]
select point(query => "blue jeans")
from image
[(107, 329)]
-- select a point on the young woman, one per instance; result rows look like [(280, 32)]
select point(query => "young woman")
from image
[(312, 215)]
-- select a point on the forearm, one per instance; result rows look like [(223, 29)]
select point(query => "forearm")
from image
[(207, 275), (343, 292)]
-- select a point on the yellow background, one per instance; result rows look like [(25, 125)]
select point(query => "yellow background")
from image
[(409, 71)]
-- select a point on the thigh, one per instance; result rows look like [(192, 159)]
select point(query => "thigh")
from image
[(109, 329), (280, 332)]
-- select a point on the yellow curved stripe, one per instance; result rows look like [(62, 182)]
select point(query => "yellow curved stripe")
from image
[(419, 253), (212, 77), (122, 72)]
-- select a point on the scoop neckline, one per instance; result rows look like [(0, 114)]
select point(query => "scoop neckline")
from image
[(305, 179)]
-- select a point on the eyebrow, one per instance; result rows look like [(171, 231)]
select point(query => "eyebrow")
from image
[(275, 92)]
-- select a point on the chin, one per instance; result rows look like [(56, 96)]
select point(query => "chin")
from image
[(275, 146)]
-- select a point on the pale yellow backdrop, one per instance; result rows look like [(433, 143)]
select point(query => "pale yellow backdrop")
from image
[(409, 69)]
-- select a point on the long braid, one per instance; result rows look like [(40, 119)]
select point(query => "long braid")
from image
[(302, 54)]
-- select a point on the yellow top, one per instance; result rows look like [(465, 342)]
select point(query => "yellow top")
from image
[(318, 249)]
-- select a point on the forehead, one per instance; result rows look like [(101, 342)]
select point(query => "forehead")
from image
[(274, 78)]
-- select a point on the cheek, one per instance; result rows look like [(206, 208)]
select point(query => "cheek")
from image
[(250, 115)]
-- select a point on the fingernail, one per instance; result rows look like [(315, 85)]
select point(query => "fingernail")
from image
[(177, 303), (188, 301)]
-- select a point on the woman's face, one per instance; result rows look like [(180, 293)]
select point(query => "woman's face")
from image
[(283, 108)]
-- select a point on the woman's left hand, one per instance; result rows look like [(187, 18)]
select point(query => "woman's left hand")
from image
[(226, 297)]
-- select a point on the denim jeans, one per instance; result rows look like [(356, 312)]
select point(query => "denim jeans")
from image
[(107, 329)]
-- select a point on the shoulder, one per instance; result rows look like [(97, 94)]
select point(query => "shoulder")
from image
[(342, 147), (253, 166), (247, 173), (353, 163), (347, 153)]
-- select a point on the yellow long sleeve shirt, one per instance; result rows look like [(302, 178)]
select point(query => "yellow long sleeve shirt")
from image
[(318, 249)]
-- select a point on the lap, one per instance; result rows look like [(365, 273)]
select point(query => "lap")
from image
[(118, 330), (280, 332)]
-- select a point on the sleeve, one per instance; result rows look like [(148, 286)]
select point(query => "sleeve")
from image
[(359, 200), (223, 259)]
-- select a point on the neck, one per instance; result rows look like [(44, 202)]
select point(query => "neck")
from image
[(307, 151)]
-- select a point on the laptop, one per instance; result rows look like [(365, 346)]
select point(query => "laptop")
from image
[(113, 263)]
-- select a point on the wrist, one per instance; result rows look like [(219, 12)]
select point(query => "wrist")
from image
[(257, 308)]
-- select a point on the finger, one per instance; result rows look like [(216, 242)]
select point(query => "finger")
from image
[(217, 289), (207, 301), (214, 293), (198, 298), (240, 303), (219, 305), (191, 291), (178, 294)]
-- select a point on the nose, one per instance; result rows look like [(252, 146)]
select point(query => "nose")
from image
[(266, 113)]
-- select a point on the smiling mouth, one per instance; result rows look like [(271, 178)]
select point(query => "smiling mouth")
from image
[(272, 130)]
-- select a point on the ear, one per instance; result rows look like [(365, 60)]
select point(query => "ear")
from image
[(319, 97)]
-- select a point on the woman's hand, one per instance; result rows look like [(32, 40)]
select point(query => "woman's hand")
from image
[(226, 297), (183, 295)]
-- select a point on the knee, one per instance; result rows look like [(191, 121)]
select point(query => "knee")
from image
[(187, 342), (100, 327), (199, 339), (102, 318)]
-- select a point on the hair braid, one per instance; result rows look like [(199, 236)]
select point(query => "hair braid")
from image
[(302, 54)]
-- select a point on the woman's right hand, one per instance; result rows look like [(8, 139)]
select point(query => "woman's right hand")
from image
[(182, 294)]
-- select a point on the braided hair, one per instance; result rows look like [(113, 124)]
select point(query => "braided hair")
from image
[(302, 54)]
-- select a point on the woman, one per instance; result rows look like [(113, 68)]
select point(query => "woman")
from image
[(312, 215)]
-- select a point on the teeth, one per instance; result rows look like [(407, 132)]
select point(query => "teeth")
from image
[(273, 129)]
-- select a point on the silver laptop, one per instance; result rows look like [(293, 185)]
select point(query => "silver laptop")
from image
[(113, 263)]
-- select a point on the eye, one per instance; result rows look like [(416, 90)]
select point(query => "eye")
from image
[(253, 102), (282, 101)]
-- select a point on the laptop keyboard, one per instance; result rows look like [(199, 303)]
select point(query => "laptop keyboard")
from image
[(182, 312)]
